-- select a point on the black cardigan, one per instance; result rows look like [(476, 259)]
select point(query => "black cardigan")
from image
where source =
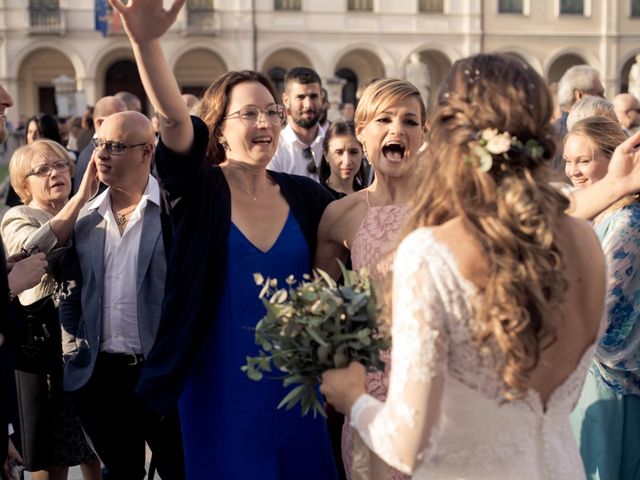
[(197, 263)]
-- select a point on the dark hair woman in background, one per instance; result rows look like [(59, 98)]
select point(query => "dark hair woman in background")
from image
[(342, 169), (42, 126)]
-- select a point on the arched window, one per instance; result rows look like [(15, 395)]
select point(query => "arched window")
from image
[(123, 76), (276, 75)]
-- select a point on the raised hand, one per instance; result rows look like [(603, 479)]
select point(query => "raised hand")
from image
[(90, 181), (624, 167), (146, 20)]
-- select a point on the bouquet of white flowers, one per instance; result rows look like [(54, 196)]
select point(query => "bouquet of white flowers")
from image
[(313, 326)]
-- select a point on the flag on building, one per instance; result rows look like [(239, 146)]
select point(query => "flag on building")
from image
[(102, 14)]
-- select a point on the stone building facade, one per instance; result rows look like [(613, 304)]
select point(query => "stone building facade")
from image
[(349, 42)]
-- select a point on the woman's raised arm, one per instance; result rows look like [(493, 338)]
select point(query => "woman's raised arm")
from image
[(145, 22)]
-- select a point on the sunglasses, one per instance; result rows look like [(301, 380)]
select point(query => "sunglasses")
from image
[(307, 154), (114, 148)]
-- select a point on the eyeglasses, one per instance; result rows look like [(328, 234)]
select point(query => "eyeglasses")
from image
[(249, 115), (45, 169), (114, 148), (307, 154)]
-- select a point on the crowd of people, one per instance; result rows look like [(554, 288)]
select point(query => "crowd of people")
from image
[(501, 225)]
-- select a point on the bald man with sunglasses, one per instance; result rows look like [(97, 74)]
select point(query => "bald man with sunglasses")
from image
[(115, 276)]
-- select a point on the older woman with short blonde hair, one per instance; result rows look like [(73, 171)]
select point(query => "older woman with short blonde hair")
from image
[(52, 439), (20, 164)]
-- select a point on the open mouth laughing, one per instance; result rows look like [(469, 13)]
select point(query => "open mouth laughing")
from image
[(394, 151), (263, 140)]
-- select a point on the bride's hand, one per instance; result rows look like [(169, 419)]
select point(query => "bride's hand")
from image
[(146, 20), (343, 386)]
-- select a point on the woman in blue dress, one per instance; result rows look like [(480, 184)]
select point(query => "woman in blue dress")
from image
[(232, 218), (606, 420)]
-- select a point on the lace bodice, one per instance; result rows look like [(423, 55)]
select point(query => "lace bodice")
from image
[(444, 416), (373, 247)]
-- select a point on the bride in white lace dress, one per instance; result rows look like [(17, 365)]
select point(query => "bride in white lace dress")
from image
[(497, 296)]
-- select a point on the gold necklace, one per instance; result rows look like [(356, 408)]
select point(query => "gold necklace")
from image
[(121, 218)]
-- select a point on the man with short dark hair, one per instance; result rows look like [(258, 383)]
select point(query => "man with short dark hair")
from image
[(300, 146)]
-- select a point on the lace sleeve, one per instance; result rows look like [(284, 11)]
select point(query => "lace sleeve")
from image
[(399, 429), (619, 347)]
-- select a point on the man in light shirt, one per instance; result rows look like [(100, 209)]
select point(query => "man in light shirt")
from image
[(300, 146), (114, 283)]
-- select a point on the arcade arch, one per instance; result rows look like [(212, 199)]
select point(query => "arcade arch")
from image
[(37, 70)]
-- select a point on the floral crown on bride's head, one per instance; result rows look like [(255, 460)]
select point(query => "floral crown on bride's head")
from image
[(489, 143)]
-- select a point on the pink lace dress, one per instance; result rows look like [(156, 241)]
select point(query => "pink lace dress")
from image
[(373, 247)]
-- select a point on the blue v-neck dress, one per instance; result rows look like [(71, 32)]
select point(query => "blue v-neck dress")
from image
[(231, 427)]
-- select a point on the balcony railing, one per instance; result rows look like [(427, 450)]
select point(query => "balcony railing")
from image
[(202, 20), (288, 5), (46, 19), (360, 5), (431, 6)]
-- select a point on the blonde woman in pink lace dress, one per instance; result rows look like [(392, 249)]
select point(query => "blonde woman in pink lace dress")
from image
[(390, 123)]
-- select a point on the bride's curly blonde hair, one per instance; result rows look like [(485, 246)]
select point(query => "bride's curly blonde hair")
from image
[(511, 209)]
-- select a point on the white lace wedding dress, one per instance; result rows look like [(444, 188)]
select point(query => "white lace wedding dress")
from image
[(444, 417)]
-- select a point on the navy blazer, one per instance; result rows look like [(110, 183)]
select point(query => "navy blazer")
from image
[(83, 273), (198, 259)]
